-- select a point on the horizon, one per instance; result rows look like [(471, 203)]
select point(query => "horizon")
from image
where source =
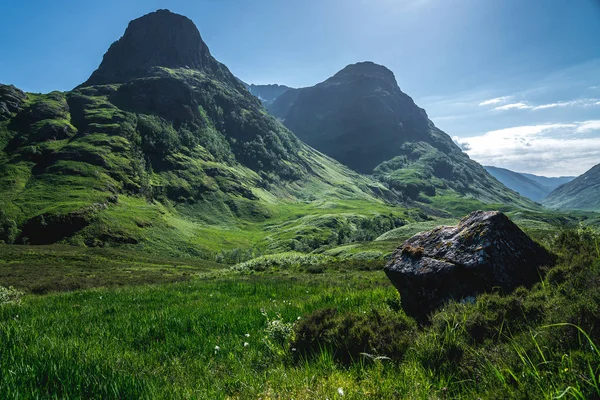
[(521, 94)]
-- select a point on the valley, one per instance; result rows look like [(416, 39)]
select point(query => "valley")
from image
[(170, 231)]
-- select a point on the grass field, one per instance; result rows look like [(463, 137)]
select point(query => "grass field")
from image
[(228, 333)]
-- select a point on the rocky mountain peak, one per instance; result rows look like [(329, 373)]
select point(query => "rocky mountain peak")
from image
[(366, 69), (158, 39)]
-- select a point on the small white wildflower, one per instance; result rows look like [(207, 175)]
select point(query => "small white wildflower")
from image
[(246, 344), (217, 348), (247, 335), (340, 391), (293, 349), (299, 318)]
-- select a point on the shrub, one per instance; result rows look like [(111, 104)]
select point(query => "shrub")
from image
[(284, 261), (348, 336), (10, 295), (277, 333)]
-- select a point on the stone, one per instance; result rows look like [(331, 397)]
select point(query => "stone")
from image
[(484, 252)]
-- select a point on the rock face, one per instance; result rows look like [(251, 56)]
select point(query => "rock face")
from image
[(359, 116), (11, 101), (161, 38), (484, 251)]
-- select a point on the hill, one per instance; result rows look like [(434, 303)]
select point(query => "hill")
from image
[(361, 118), (163, 149), (582, 193), (520, 183)]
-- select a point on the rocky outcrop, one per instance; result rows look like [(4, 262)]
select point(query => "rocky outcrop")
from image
[(483, 252), (11, 101), (158, 39)]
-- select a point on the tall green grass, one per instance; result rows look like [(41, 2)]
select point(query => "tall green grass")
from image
[(226, 335)]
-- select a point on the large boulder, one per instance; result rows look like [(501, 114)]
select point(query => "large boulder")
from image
[(483, 252)]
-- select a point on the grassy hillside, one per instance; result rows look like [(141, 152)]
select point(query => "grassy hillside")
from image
[(582, 193)]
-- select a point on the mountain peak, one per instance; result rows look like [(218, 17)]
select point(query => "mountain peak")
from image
[(159, 39), (367, 69)]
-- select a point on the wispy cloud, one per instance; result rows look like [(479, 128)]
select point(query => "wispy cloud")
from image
[(497, 100), (559, 104), (519, 105), (572, 103), (546, 149)]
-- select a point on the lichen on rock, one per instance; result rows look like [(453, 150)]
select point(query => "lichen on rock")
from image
[(483, 252)]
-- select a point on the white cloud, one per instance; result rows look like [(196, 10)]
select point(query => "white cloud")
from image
[(548, 149), (572, 103), (497, 100), (588, 126), (464, 145), (519, 105)]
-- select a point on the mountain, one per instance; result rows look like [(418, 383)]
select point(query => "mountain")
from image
[(534, 187), (519, 183), (267, 93), (549, 183), (582, 193), (361, 118), (164, 149)]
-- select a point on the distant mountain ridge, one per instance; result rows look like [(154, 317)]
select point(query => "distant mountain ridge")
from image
[(361, 117), (582, 193), (267, 94), (531, 186), (549, 182)]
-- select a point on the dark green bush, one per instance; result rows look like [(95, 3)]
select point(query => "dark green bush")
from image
[(350, 335), (158, 136)]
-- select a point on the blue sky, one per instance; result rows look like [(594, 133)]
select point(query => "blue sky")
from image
[(515, 82)]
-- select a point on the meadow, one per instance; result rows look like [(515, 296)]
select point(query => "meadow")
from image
[(287, 330)]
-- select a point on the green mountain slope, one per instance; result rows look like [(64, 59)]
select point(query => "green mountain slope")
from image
[(519, 183), (164, 149), (361, 118), (582, 193)]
